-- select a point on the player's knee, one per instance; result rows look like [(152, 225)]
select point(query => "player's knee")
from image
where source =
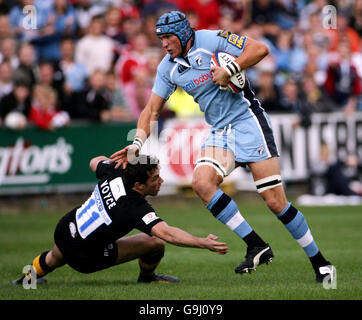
[(274, 202), (157, 244), (196, 184), (54, 258), (202, 184)]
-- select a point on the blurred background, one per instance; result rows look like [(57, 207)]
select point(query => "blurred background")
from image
[(76, 74)]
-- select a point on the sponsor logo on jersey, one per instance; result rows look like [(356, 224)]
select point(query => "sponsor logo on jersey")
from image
[(149, 217), (194, 83), (224, 34)]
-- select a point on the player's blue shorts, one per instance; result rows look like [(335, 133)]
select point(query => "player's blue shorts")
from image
[(251, 140)]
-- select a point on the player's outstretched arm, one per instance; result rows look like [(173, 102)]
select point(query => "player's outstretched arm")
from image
[(181, 238), (147, 120)]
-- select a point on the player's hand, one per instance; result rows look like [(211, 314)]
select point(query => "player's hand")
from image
[(213, 245), (125, 155), (220, 76)]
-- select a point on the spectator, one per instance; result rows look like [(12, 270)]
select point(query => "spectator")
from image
[(85, 53), (75, 73), (5, 28), (85, 11), (130, 27), (113, 26), (237, 14), (311, 8), (320, 35), (314, 61), (267, 91), (333, 176), (94, 101), (16, 102), (153, 59), (283, 51), (6, 78), (291, 102), (148, 28), (49, 76), (343, 83), (208, 12), (129, 9), (118, 106), (61, 22), (8, 52), (138, 91), (264, 13), (344, 32), (132, 58), (256, 32), (16, 17), (156, 7), (43, 112), (316, 97), (27, 64), (226, 22)]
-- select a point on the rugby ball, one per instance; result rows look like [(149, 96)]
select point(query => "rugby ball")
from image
[(237, 81)]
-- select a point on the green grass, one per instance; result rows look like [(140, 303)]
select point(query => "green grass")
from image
[(204, 275)]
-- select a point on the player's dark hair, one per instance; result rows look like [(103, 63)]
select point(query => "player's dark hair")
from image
[(140, 169)]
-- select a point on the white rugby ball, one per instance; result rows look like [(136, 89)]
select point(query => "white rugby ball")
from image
[(237, 81)]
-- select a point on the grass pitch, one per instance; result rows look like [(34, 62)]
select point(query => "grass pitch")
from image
[(204, 275)]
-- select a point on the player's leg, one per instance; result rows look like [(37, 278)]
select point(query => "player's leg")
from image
[(149, 251), (211, 168), (268, 181), (43, 264)]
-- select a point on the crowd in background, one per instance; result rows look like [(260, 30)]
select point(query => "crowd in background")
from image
[(96, 60)]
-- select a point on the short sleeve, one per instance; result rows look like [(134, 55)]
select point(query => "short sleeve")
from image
[(231, 42), (146, 218), (163, 86)]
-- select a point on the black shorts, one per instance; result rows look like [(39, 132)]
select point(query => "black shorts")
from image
[(85, 258)]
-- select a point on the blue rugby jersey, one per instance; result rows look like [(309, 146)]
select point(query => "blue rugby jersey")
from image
[(221, 107)]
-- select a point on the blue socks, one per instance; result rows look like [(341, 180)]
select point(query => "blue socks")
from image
[(296, 224), (225, 210)]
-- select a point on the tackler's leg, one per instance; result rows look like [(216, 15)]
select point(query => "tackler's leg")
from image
[(268, 182), (41, 266), (149, 251)]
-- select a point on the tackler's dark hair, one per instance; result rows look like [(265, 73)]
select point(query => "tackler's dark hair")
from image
[(140, 169)]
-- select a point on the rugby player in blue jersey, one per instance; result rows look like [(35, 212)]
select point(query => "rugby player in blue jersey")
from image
[(240, 134)]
